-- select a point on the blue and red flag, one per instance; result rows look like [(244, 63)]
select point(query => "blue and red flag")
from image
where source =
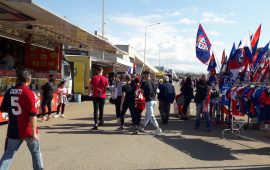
[(236, 60), (203, 45), (255, 40), (232, 51), (261, 57), (212, 64)]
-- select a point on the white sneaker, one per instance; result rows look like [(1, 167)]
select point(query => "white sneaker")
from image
[(142, 130), (56, 116), (63, 116), (157, 132)]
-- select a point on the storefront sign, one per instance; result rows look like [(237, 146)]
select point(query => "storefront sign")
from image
[(8, 73), (43, 59)]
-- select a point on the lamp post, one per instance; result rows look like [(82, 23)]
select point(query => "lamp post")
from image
[(159, 45), (103, 22), (145, 40)]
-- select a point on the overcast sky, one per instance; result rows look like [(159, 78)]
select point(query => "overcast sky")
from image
[(225, 22)]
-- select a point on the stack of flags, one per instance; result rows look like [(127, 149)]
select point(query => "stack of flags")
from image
[(245, 62)]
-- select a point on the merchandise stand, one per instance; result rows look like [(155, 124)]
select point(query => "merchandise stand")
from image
[(237, 128)]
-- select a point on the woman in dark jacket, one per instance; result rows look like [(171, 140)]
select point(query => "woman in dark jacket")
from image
[(187, 91)]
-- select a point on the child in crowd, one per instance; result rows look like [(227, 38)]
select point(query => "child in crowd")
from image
[(62, 93)]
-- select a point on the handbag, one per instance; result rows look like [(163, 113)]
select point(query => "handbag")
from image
[(112, 101)]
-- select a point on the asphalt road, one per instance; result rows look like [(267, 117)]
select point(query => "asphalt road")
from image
[(69, 143)]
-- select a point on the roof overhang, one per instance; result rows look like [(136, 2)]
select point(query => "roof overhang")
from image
[(29, 22)]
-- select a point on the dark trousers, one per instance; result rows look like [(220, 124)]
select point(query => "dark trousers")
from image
[(98, 104), (138, 116), (117, 106), (46, 102), (164, 109), (62, 108), (131, 107), (185, 107)]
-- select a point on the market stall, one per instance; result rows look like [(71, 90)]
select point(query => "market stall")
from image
[(42, 62)]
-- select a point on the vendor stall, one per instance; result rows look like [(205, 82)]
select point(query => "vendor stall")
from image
[(34, 37), (42, 62)]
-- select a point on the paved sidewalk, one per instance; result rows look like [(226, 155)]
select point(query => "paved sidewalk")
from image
[(71, 144)]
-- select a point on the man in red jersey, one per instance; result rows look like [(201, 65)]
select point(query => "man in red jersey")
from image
[(98, 87), (20, 103)]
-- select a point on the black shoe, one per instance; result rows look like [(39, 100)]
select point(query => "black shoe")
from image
[(101, 123), (95, 128), (136, 131), (164, 121)]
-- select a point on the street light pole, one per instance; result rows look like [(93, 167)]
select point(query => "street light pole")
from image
[(103, 23), (145, 41)]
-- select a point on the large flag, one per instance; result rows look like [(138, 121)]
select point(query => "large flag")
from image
[(232, 51), (236, 61), (255, 40), (261, 57), (203, 46), (247, 50), (212, 64)]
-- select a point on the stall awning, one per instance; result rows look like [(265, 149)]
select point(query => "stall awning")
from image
[(26, 21)]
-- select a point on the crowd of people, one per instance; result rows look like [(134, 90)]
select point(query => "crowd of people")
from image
[(128, 92), (135, 93)]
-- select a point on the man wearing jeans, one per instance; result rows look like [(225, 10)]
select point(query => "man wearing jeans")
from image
[(99, 85), (149, 90), (20, 103), (201, 101)]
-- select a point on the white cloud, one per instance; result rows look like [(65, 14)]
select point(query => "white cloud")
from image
[(174, 14), (209, 17), (180, 52), (214, 33), (187, 21)]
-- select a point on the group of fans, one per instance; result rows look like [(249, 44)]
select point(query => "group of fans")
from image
[(139, 93), (128, 92)]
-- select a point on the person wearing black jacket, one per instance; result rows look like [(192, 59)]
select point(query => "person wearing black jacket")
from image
[(47, 96), (166, 96), (200, 96), (187, 92)]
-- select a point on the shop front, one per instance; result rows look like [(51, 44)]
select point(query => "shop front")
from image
[(33, 37), (43, 62)]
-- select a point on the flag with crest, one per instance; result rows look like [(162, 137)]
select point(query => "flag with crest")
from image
[(203, 45)]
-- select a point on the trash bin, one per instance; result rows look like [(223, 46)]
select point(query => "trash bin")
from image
[(78, 98)]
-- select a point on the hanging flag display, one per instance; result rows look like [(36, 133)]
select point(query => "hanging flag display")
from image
[(255, 40), (203, 46), (212, 64)]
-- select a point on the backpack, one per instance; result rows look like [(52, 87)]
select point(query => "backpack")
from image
[(139, 99), (171, 95)]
